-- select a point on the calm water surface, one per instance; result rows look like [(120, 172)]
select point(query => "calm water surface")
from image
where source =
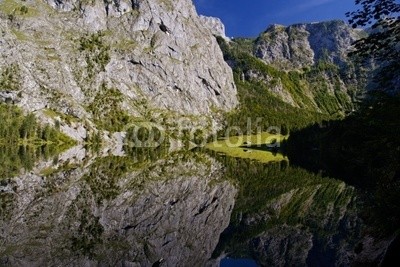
[(152, 207)]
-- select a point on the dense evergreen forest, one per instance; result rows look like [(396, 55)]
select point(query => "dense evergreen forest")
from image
[(18, 128), (361, 148)]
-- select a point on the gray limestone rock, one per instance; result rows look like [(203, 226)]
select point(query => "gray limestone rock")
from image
[(71, 55), (215, 25), (8, 97), (303, 45)]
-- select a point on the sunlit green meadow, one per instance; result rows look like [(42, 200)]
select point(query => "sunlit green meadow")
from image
[(258, 146)]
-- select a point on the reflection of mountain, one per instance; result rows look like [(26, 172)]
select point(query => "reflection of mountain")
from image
[(179, 209), (117, 211), (286, 216)]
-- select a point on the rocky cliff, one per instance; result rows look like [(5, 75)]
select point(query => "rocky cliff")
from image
[(98, 64), (303, 45), (215, 25)]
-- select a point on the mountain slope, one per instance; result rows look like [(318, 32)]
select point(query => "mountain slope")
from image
[(297, 75), (319, 51), (99, 65)]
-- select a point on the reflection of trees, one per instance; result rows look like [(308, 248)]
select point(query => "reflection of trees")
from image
[(23, 141), (15, 127), (362, 150), (15, 158), (275, 200), (104, 174)]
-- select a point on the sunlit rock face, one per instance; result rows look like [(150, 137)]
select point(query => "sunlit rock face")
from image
[(303, 45), (116, 211), (69, 55), (215, 25)]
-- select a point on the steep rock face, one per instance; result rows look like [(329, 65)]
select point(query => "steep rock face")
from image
[(332, 40), (171, 210), (215, 25), (145, 57), (281, 45), (303, 45)]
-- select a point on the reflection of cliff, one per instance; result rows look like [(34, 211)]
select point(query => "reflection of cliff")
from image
[(286, 216), (315, 225), (117, 212)]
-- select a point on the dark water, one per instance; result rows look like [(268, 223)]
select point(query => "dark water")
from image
[(152, 207), (228, 262)]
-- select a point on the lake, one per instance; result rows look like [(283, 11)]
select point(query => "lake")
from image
[(246, 206)]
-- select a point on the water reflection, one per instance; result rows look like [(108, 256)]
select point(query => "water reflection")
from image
[(288, 216), (228, 262), (126, 211), (19, 158), (190, 208)]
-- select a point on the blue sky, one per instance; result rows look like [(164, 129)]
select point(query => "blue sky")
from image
[(250, 18)]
